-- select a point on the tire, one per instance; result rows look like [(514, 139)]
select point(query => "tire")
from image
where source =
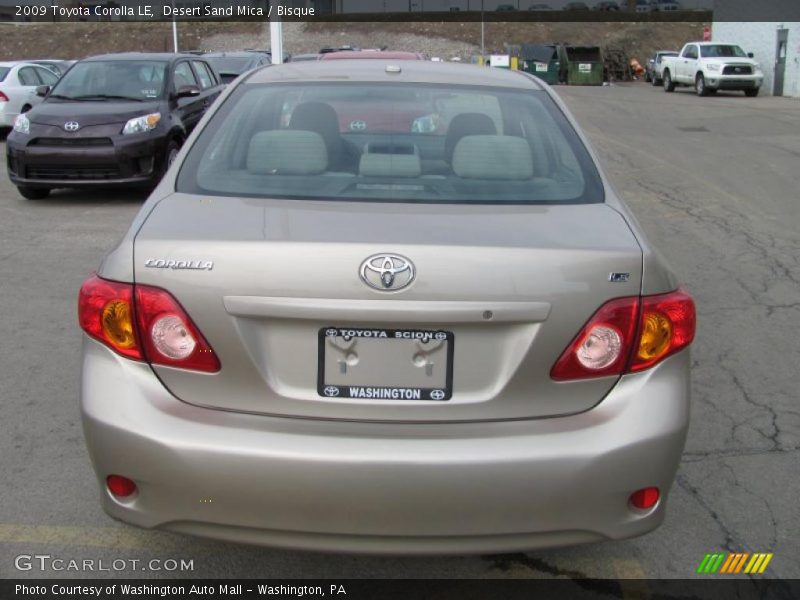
[(647, 77), (700, 85), (656, 82), (33, 193), (173, 147), (752, 93), (669, 85)]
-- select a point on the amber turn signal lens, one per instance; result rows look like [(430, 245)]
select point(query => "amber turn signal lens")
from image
[(118, 324), (656, 336)]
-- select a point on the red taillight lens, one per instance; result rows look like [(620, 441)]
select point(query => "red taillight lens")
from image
[(667, 325), (120, 486), (629, 334), (105, 312), (3, 97), (603, 345), (168, 334), (645, 498), (143, 322)]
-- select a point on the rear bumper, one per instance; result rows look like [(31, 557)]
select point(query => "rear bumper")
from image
[(384, 488), (7, 117)]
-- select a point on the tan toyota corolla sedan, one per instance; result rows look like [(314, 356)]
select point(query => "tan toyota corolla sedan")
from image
[(386, 307)]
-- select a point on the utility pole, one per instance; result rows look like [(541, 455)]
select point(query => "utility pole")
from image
[(174, 30), (276, 38), (483, 32)]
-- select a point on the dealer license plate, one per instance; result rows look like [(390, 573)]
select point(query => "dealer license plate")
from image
[(385, 364)]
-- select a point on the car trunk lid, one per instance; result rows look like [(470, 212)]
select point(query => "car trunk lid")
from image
[(269, 281)]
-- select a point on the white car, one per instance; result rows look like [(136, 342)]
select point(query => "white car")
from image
[(18, 83)]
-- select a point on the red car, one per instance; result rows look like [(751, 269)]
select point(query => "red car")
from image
[(371, 54)]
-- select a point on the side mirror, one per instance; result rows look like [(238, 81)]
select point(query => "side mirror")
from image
[(187, 91), (42, 90), (750, 55)]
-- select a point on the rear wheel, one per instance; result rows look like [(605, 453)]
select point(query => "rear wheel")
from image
[(700, 85), (669, 85), (655, 81), (33, 193), (752, 93)]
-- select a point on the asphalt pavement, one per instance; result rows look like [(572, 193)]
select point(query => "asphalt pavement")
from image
[(714, 182)]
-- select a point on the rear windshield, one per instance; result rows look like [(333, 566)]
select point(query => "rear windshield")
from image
[(230, 65), (3, 72), (393, 143), (722, 51), (124, 79)]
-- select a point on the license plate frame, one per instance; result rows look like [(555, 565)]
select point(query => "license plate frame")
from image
[(333, 391)]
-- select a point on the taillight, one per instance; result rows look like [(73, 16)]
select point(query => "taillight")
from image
[(143, 323), (3, 97), (603, 345), (629, 334), (169, 336), (666, 326), (105, 312)]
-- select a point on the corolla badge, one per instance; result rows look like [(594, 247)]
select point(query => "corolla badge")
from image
[(72, 126), (179, 265), (387, 272)]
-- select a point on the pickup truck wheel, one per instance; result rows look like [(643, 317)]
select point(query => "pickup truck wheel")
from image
[(669, 85), (752, 93), (700, 85)]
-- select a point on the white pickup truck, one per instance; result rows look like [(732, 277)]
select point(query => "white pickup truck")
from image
[(712, 66)]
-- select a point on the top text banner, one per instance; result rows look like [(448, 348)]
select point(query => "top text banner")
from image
[(701, 11)]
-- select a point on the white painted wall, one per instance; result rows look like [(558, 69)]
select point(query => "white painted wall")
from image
[(761, 40)]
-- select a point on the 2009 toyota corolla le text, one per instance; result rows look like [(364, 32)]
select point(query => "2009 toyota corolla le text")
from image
[(439, 331)]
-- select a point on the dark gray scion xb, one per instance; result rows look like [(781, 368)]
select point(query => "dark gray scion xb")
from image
[(117, 119)]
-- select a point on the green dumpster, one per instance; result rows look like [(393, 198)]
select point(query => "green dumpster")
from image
[(584, 65), (543, 61)]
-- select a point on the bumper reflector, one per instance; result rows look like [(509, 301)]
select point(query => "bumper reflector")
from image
[(120, 486), (645, 498)]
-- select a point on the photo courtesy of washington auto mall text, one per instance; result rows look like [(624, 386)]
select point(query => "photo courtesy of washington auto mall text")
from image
[(164, 590)]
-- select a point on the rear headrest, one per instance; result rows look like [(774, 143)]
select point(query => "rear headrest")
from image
[(493, 157), (465, 124), (287, 152), (389, 165)]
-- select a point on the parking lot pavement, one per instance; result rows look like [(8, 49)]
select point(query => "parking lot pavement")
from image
[(714, 183)]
